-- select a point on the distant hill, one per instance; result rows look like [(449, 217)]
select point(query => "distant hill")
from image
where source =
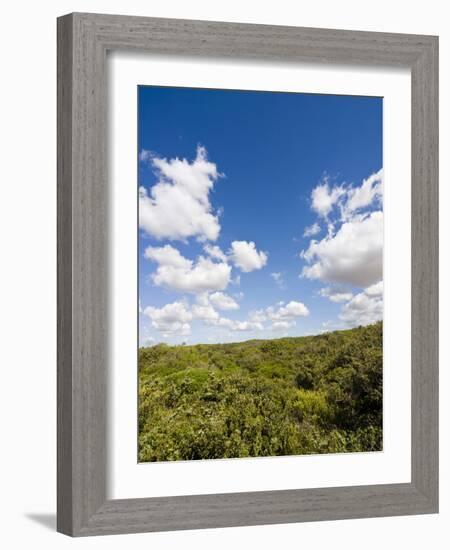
[(287, 396)]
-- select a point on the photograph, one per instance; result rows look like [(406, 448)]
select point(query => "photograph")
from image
[(235, 217), (260, 267)]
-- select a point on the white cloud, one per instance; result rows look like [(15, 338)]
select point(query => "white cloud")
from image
[(245, 256), (258, 316), (202, 299), (375, 290), (335, 295), (354, 255), (172, 318), (176, 272), (205, 313), (238, 326), (282, 325), (167, 255), (215, 252), (311, 230), (323, 198), (178, 206), (223, 301), (361, 197), (145, 155), (350, 199), (363, 309), (282, 313), (290, 311), (279, 279)]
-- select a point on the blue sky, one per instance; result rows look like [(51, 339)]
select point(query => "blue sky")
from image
[(260, 214)]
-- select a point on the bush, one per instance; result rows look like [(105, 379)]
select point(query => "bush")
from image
[(307, 395)]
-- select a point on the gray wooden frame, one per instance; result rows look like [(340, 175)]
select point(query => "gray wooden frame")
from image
[(83, 40)]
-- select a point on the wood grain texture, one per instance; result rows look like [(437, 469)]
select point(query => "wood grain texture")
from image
[(425, 273), (64, 295), (83, 40)]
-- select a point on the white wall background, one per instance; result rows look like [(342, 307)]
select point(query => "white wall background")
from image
[(28, 252)]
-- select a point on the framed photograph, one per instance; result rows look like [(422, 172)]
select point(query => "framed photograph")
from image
[(247, 274)]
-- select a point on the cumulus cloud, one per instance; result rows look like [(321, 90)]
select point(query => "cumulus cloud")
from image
[(237, 326), (282, 317), (178, 205), (360, 197), (176, 272), (311, 230), (282, 325), (351, 254), (172, 318), (352, 251), (348, 198), (258, 316), (291, 310), (323, 198), (215, 252), (284, 312), (335, 295), (363, 309), (245, 256), (204, 312), (279, 279), (375, 290), (202, 298), (145, 155), (167, 255), (223, 301), (354, 255)]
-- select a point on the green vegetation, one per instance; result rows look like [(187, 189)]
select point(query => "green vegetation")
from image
[(291, 396)]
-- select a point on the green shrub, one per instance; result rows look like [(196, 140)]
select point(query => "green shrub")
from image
[(308, 395)]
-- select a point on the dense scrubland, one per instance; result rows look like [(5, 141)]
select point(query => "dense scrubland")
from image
[(288, 396)]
